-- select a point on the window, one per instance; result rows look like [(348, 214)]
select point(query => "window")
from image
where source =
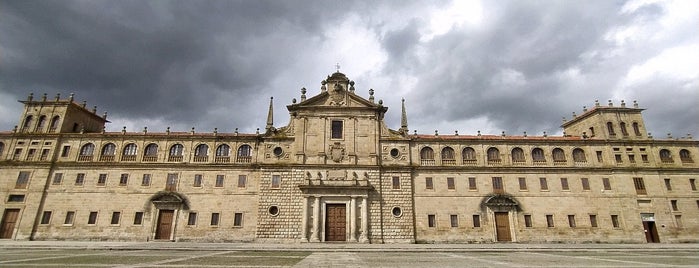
[(428, 183), (593, 221), (197, 180), (171, 183), (22, 180), (610, 129), (678, 221), (528, 221), (223, 150), (102, 180), (472, 183), (665, 156), (493, 154), (549, 221), (87, 149), (124, 179), (454, 219), (571, 221), (92, 218), (201, 150), (599, 156), (395, 183), (397, 212), (685, 156), (57, 178), (244, 154), (615, 221), (632, 158), (219, 180), (192, 218), (624, 132), (522, 184), (17, 198), (644, 158), (27, 123), (564, 184), (116, 216), (673, 204), (138, 218), (639, 185), (636, 129), (238, 220), (176, 150), (30, 154), (108, 149), (42, 123), (44, 154), (214, 218), (54, 123), (18, 153), (544, 184), (2, 148), (476, 220), (276, 181), (538, 155), (336, 129), (617, 159), (146, 180), (130, 149), (242, 181), (450, 184), (431, 221), (46, 217), (558, 155), (151, 150), (70, 216), (693, 184), (606, 184), (448, 156), (579, 155), (668, 184), (517, 155), (585, 184), (469, 155), (80, 179), (427, 153), (65, 151), (497, 185)]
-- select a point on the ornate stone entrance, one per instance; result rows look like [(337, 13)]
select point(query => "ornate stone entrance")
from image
[(167, 205), (502, 206), (335, 222)]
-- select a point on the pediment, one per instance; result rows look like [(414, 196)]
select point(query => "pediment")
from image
[(335, 99)]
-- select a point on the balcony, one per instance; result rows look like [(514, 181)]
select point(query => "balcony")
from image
[(222, 159), (84, 158), (494, 162), (449, 162), (106, 158), (559, 162), (201, 159), (174, 158), (150, 158), (470, 162), (427, 162), (244, 159), (128, 158)]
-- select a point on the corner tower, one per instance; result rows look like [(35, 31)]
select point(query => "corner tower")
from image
[(608, 122)]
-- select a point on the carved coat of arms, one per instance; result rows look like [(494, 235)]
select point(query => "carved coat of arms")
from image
[(337, 152)]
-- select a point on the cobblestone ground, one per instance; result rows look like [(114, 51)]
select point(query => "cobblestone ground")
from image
[(29, 257)]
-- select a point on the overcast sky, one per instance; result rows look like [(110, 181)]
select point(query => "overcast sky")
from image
[(465, 65)]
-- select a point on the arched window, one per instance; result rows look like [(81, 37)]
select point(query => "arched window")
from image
[(538, 155), (448, 156), (558, 155), (469, 155), (517, 155), (493, 154), (130, 149), (108, 149), (427, 153), (151, 150), (42, 123), (87, 150), (685, 156), (176, 150), (244, 154), (27, 123), (636, 129), (223, 150), (54, 123), (579, 155), (610, 129), (665, 156), (622, 125), (201, 150)]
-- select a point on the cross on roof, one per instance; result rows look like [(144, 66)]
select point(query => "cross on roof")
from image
[(337, 66)]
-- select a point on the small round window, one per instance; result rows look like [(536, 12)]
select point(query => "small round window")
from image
[(273, 210), (397, 212), (395, 153), (278, 151)]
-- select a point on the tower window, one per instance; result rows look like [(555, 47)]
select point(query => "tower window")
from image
[(337, 129)]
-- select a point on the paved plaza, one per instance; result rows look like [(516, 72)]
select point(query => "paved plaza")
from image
[(164, 254)]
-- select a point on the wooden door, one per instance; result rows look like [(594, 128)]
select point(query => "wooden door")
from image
[(9, 218), (335, 222), (651, 232), (164, 227), (502, 226)]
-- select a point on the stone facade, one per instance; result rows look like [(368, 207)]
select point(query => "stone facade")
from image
[(336, 172)]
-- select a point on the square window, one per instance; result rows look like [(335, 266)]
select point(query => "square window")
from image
[(528, 221), (146, 180), (80, 179), (564, 184), (242, 181), (192, 218), (593, 220), (549, 221), (124, 179), (472, 183), (640, 186), (617, 158), (138, 218), (276, 181), (197, 180), (238, 220), (678, 221), (454, 220), (693, 184), (15, 198), (171, 183), (476, 220), (632, 158), (92, 218), (337, 129), (668, 184), (428, 183), (219, 180), (571, 221), (395, 183), (606, 184), (615, 221), (673, 204), (102, 180), (599, 156), (497, 185), (585, 184), (450, 184), (644, 158), (544, 184), (431, 221), (70, 216), (214, 218), (22, 180), (522, 184), (57, 178), (65, 151), (46, 217), (116, 216)]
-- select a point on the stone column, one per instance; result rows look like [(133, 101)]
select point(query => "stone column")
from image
[(364, 238), (315, 237), (304, 220), (353, 219)]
